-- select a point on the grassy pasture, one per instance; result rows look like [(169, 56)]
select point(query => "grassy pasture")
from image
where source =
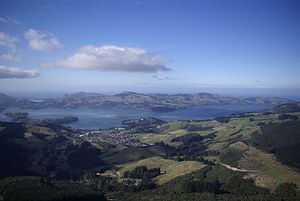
[(166, 138), (171, 168), (270, 172)]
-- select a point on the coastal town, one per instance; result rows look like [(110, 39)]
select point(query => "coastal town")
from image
[(126, 135)]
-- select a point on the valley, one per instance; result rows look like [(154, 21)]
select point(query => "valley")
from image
[(202, 152)]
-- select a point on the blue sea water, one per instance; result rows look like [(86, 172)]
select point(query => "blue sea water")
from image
[(111, 117)]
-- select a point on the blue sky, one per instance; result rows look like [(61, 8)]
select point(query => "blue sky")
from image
[(149, 45)]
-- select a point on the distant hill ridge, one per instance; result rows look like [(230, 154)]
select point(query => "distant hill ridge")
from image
[(128, 99)]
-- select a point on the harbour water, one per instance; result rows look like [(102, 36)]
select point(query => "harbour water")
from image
[(112, 117)]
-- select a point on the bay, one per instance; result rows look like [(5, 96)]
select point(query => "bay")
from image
[(91, 118)]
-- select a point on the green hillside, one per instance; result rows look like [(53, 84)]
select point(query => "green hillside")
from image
[(249, 157)]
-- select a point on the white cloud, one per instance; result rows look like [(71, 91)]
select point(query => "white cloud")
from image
[(10, 20), (114, 58), (41, 41), (9, 57), (8, 41), (14, 72)]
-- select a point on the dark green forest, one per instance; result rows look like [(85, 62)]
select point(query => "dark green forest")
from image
[(282, 139)]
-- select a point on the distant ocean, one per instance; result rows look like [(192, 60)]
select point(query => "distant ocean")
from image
[(111, 117)]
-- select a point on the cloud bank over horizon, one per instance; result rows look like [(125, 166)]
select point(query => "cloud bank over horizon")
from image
[(15, 72), (114, 58)]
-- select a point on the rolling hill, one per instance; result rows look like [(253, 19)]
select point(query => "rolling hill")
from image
[(252, 156), (155, 102)]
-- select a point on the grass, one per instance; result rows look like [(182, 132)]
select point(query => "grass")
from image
[(270, 171), (241, 122), (226, 133), (174, 130), (239, 146), (211, 123), (40, 129), (239, 129), (214, 159), (231, 156), (217, 146), (223, 138), (230, 137), (101, 145), (176, 125), (166, 138), (203, 133), (127, 155), (247, 132), (171, 168)]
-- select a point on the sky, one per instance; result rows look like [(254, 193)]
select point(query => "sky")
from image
[(249, 46)]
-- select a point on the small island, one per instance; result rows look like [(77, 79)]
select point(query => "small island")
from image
[(163, 109), (64, 120), (17, 116)]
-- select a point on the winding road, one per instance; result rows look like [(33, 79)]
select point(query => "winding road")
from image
[(236, 169)]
